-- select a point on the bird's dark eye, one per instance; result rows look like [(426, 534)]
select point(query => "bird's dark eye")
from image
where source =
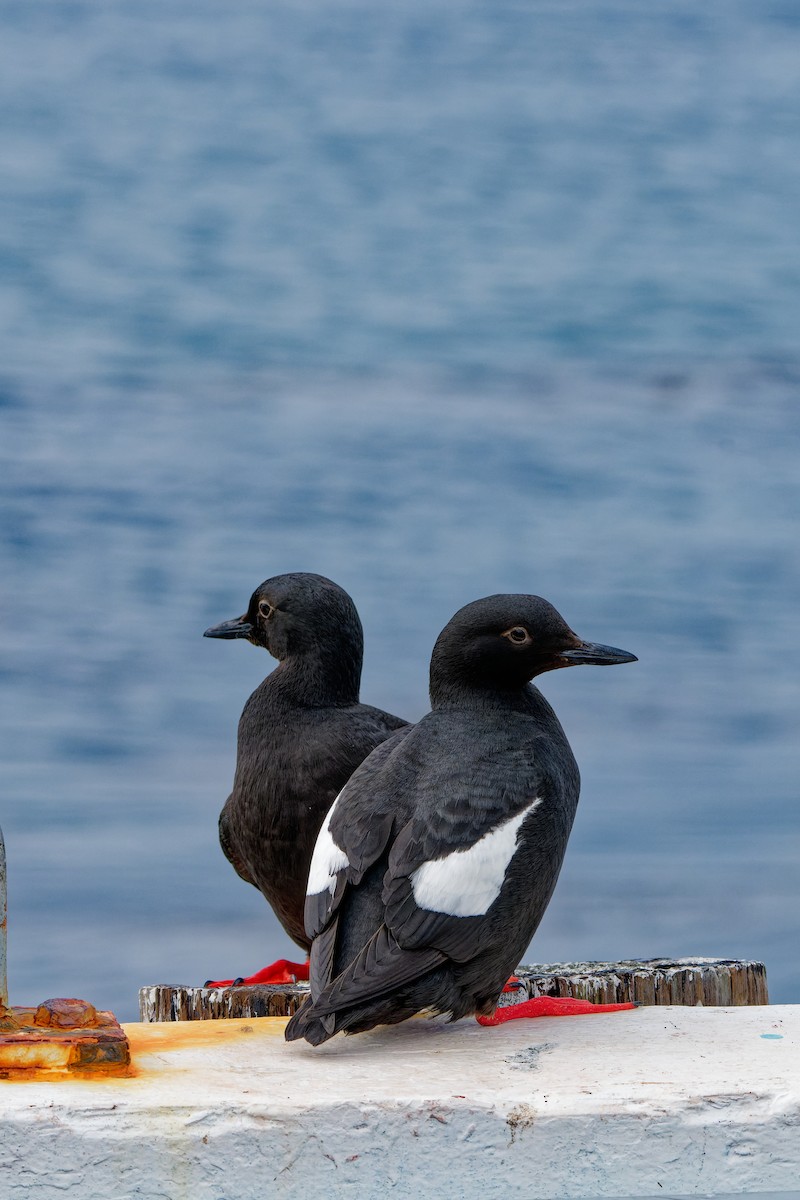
[(518, 635), (265, 608)]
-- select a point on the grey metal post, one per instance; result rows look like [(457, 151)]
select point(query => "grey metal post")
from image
[(3, 926)]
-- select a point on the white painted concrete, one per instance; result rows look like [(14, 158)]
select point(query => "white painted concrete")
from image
[(659, 1101)]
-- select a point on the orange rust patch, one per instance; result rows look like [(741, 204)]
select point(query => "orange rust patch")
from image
[(156, 1038)]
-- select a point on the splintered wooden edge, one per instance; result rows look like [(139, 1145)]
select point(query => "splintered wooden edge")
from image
[(714, 982)]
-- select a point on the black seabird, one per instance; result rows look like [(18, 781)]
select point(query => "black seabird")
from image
[(302, 733), (438, 859)]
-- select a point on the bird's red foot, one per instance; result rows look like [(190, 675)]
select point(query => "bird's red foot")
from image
[(549, 1006), (513, 984), (281, 971)]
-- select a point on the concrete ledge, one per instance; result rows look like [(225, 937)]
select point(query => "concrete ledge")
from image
[(659, 1101)]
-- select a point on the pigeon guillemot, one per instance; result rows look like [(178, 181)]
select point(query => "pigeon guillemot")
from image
[(302, 733), (438, 859)]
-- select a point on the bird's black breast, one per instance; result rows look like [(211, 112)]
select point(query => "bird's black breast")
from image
[(291, 765)]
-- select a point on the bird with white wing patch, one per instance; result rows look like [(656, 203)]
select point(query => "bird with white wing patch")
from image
[(437, 862)]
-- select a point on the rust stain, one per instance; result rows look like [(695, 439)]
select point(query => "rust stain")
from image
[(143, 1040), (158, 1038), (94, 1075)]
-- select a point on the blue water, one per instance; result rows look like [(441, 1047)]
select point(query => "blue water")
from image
[(440, 300)]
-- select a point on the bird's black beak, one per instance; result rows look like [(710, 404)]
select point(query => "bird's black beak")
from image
[(239, 627), (593, 654)]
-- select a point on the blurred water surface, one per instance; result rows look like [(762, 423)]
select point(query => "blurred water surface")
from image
[(438, 300)]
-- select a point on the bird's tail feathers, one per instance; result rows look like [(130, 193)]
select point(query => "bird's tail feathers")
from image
[(378, 970), (306, 1024)]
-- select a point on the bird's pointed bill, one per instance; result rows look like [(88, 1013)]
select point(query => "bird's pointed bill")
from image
[(593, 654), (239, 627)]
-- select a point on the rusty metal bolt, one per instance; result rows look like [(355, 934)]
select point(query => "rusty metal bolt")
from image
[(66, 1014)]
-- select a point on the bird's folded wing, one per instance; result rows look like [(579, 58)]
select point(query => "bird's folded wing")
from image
[(354, 835), (438, 889), (321, 957), (437, 892)]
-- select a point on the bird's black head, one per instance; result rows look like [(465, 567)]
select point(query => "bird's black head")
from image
[(300, 617), (500, 643)]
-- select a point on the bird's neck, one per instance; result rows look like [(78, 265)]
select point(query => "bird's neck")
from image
[(457, 694), (317, 680)]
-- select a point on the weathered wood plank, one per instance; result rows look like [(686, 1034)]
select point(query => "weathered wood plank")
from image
[(712, 982), (166, 1002), (684, 981)]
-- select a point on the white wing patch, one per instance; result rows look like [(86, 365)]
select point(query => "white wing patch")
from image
[(327, 860), (467, 882)]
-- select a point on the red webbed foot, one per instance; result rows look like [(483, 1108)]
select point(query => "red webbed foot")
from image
[(281, 971), (550, 1006)]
